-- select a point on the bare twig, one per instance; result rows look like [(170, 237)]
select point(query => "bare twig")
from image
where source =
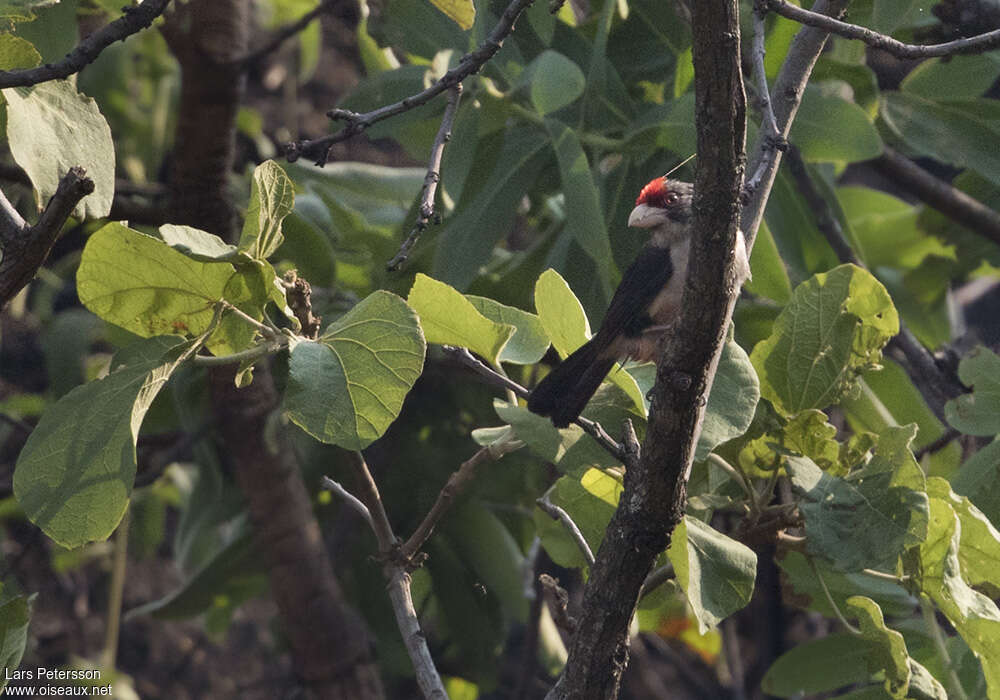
[(939, 444), (319, 149), (349, 498), (769, 126), (975, 44), (656, 578), (398, 581), (431, 179), (283, 34), (557, 513), (134, 19), (559, 603), (457, 483), (26, 247), (940, 195)]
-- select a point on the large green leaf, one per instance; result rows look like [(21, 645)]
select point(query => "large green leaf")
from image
[(834, 328), (979, 551), (583, 205), (977, 413), (272, 198), (973, 615), (75, 474), (448, 318), (978, 479), (864, 521), (529, 342), (17, 53), (52, 128), (819, 666), (956, 77), (590, 501), (553, 81), (347, 387), (731, 402), (889, 650), (141, 284), (956, 133), (468, 238), (197, 244), (828, 128), (566, 324), (716, 572)]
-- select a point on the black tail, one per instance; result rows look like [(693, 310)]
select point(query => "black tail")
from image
[(564, 393)]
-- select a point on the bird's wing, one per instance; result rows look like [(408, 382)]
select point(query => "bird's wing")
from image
[(642, 281)]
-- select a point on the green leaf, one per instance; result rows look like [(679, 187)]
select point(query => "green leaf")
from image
[(197, 244), (977, 413), (463, 12), (973, 615), (528, 344), (716, 572), (885, 232), (52, 128), (348, 387), (75, 474), (819, 666), (978, 479), (15, 614), (979, 550), (560, 313), (272, 198), (17, 53), (801, 586), (583, 206), (955, 133), (565, 322), (21, 10), (731, 402), (955, 78), (590, 501), (770, 278), (448, 318), (467, 240), (867, 519), (553, 81), (570, 449), (829, 128), (889, 649), (141, 284), (834, 328)]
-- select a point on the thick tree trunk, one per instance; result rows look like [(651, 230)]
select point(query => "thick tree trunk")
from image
[(331, 649)]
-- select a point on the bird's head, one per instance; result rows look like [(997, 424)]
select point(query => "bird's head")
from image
[(663, 203)]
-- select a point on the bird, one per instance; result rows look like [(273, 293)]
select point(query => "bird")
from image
[(643, 306)]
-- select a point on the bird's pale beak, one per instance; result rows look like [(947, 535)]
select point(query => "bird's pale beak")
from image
[(645, 216)]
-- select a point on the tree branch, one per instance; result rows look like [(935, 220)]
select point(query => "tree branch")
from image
[(319, 149), (975, 44), (398, 582), (557, 513), (431, 180), (24, 248), (134, 19), (940, 195), (787, 95), (655, 490), (285, 33)]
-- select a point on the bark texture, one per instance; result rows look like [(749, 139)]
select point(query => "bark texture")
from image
[(655, 485)]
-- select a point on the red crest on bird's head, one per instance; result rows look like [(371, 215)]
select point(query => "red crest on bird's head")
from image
[(663, 192)]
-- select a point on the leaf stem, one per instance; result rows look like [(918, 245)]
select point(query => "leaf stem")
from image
[(836, 608)]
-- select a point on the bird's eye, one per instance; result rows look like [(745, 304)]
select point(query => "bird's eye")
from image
[(670, 198)]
